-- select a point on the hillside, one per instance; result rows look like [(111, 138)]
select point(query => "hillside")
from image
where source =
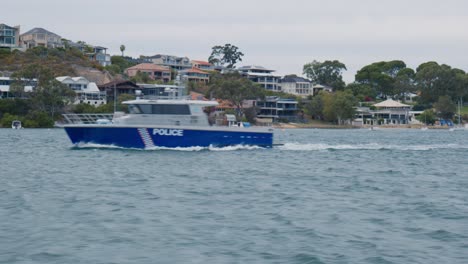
[(61, 62)]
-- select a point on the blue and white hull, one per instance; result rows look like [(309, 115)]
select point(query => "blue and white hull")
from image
[(168, 137)]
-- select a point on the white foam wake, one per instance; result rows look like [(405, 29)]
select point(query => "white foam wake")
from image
[(369, 146), (196, 148)]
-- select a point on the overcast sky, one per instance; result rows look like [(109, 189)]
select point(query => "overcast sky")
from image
[(280, 35)]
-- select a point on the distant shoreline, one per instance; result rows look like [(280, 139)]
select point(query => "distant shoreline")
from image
[(331, 126)]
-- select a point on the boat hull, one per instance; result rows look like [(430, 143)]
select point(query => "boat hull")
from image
[(150, 137)]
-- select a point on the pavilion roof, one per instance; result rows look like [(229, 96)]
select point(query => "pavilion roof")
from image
[(390, 103)]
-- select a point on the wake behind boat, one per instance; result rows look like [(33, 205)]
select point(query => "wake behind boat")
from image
[(171, 123)]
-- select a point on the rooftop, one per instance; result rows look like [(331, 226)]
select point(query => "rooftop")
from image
[(39, 31), (149, 66), (390, 103)]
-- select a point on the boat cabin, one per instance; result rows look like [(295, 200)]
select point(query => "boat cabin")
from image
[(166, 112)]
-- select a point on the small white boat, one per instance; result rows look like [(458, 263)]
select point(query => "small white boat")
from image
[(16, 124)]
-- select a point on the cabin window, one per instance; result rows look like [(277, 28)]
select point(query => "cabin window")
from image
[(159, 109), (170, 109)]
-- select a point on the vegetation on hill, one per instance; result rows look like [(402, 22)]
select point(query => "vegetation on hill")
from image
[(60, 61)]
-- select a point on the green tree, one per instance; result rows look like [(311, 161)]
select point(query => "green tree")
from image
[(383, 76), (227, 54), (436, 80), (315, 107), (363, 92), (122, 49), (326, 73), (427, 117), (234, 88), (339, 106), (445, 107)]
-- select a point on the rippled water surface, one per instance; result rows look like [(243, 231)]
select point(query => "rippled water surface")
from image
[(325, 196)]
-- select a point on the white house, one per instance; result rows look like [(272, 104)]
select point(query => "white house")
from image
[(86, 92), (297, 86), (5, 83), (262, 76)]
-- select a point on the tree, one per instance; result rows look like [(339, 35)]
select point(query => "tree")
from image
[(436, 80), (315, 107), (445, 107), (363, 92), (326, 73), (340, 106), (383, 76), (227, 54), (122, 49), (234, 88), (427, 117)]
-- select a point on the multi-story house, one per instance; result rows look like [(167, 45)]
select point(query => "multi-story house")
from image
[(278, 108), (155, 72), (262, 76), (202, 65), (296, 85), (100, 55), (40, 37), (86, 92), (174, 62), (9, 36), (6, 82), (195, 75)]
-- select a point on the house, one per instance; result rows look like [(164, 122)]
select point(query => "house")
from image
[(388, 112), (296, 85), (118, 87), (100, 56), (278, 108), (202, 65), (86, 92), (262, 76), (319, 87), (6, 82), (155, 72), (195, 75), (9, 37), (174, 62), (40, 37)]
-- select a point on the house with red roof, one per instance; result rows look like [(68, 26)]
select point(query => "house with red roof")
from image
[(155, 72)]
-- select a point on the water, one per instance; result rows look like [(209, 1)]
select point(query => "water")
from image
[(326, 196)]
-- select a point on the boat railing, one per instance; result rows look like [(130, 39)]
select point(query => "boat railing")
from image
[(87, 118)]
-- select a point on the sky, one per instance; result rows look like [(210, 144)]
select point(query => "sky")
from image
[(279, 35)]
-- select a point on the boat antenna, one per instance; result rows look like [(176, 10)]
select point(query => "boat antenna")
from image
[(115, 98)]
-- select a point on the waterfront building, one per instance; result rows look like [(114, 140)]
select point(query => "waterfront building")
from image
[(40, 37), (9, 37), (86, 92), (388, 112), (6, 82), (155, 72), (299, 86), (202, 65), (277, 108), (195, 75), (262, 76), (174, 62)]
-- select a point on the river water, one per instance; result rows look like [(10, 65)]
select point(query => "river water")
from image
[(325, 196)]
